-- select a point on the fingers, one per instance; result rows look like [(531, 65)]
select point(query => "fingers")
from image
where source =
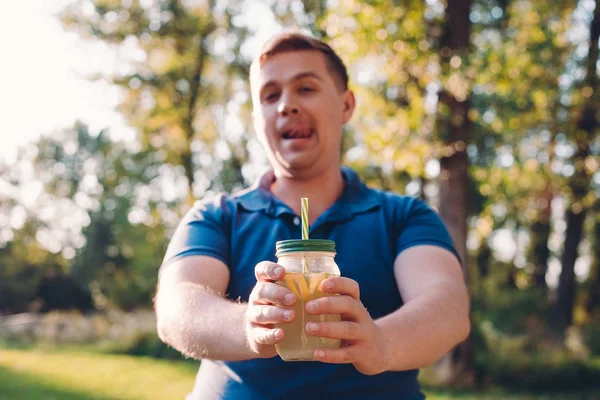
[(271, 293), (343, 355), (267, 336), (344, 330), (341, 285), (363, 359), (264, 315), (268, 271), (348, 307)]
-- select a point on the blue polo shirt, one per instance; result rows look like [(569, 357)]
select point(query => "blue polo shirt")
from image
[(370, 228)]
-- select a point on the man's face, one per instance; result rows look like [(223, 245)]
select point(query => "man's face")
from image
[(299, 112)]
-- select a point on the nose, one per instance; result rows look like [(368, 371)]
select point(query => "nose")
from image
[(286, 106)]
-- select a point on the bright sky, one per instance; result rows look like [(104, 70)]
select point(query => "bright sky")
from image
[(43, 76)]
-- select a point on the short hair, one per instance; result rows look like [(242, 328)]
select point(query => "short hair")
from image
[(292, 41)]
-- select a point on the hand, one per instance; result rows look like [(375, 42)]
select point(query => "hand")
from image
[(265, 308), (362, 340)]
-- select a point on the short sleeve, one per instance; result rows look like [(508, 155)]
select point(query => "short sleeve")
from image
[(202, 231), (422, 226)]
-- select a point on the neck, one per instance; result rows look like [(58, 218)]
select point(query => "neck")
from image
[(321, 190)]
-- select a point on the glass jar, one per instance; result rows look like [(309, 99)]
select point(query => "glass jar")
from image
[(307, 263)]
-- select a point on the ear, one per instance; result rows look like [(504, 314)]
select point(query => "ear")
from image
[(349, 104)]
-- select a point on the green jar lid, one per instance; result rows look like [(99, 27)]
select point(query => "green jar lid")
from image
[(299, 245)]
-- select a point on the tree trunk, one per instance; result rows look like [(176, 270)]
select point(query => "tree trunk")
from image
[(540, 253), (422, 184), (593, 298), (579, 184), (188, 121), (453, 183), (454, 178), (566, 284), (195, 92), (514, 271), (484, 255)]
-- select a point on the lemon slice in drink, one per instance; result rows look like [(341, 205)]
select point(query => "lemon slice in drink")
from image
[(298, 283)]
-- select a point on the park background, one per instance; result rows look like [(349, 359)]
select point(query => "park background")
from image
[(117, 114)]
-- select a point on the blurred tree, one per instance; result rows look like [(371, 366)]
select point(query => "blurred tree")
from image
[(115, 194), (517, 118), (581, 199), (315, 11), (24, 266), (538, 107), (30, 260), (180, 81)]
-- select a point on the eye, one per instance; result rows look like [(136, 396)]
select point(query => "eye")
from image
[(306, 89), (271, 96)]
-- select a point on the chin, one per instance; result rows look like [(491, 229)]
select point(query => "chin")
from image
[(294, 169), (296, 162), (301, 164)]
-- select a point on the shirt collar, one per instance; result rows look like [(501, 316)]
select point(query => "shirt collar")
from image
[(356, 198)]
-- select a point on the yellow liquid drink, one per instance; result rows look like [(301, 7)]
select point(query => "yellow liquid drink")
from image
[(298, 345)]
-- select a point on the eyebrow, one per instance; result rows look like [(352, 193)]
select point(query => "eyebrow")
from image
[(297, 77)]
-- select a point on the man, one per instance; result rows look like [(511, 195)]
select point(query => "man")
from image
[(401, 295)]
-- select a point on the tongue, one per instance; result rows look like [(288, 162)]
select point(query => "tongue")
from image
[(300, 132)]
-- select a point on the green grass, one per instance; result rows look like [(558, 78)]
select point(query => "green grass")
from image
[(43, 374), (70, 374), (504, 395)]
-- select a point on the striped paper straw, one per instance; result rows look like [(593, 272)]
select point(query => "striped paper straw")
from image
[(304, 218)]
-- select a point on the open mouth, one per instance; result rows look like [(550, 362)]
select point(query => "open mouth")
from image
[(298, 133)]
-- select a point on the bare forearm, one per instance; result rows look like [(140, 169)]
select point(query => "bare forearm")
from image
[(426, 328), (202, 324)]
